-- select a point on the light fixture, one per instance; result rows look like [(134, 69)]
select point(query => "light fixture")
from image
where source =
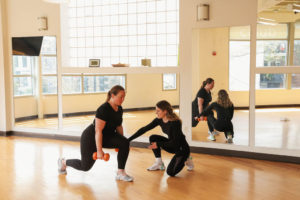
[(43, 23), (203, 12), (266, 21)]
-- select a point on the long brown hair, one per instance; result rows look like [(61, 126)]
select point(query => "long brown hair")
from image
[(223, 99), (164, 105), (114, 90), (207, 81)]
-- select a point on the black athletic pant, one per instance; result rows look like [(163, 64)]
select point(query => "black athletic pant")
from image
[(221, 125), (181, 154), (88, 147), (195, 113)]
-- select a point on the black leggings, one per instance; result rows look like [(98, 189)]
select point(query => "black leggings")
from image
[(88, 147), (181, 154), (221, 125)]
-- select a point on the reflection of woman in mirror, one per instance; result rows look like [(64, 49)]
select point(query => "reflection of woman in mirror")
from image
[(176, 143), (201, 102), (105, 132), (224, 109)]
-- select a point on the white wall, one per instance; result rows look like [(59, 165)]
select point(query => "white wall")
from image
[(2, 79)]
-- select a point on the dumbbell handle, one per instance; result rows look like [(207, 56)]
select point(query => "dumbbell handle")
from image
[(105, 157)]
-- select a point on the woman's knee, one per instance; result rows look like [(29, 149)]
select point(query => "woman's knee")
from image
[(171, 172), (124, 144), (153, 138)]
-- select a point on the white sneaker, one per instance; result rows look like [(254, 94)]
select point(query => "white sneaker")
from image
[(229, 139), (61, 167), (122, 177), (157, 166), (189, 163), (211, 137)]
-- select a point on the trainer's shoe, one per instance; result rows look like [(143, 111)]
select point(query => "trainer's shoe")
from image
[(61, 167), (229, 139), (215, 133), (122, 177), (211, 137), (157, 166), (189, 163)]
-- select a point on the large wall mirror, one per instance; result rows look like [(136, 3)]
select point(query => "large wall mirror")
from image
[(223, 54), (34, 69), (277, 94), (84, 93)]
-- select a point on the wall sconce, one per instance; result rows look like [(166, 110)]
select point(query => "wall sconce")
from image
[(202, 12), (43, 23)]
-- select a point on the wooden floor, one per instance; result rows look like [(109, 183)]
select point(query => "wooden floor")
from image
[(28, 168), (277, 128)]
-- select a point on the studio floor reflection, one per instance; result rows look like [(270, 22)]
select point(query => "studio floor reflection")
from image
[(28, 169), (276, 127)]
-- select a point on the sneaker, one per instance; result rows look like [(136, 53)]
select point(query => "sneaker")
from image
[(189, 163), (61, 167), (157, 166), (211, 137), (215, 133), (122, 177), (229, 139)]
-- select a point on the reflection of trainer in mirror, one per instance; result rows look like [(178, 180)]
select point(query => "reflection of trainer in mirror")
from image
[(201, 102), (224, 109), (105, 132), (176, 143)]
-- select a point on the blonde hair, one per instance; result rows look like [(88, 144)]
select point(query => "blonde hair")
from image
[(164, 105), (223, 99), (114, 90)]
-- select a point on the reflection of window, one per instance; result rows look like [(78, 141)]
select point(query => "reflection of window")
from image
[(169, 81), (297, 52), (265, 81), (23, 86), (122, 31), (239, 65), (49, 65), (71, 84), (271, 53), (22, 75), (93, 84), (295, 80)]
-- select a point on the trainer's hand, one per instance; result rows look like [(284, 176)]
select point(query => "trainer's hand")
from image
[(100, 154), (153, 145)]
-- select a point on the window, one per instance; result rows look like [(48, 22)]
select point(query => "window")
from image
[(271, 50), (93, 84), (239, 58), (23, 66), (121, 32), (73, 84), (295, 81), (169, 81), (49, 65), (270, 81)]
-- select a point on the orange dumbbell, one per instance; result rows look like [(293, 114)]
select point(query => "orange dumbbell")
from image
[(105, 157), (204, 119)]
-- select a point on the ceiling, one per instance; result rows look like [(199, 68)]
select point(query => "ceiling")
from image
[(280, 11)]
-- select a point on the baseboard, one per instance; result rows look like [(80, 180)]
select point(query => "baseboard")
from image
[(268, 106)]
